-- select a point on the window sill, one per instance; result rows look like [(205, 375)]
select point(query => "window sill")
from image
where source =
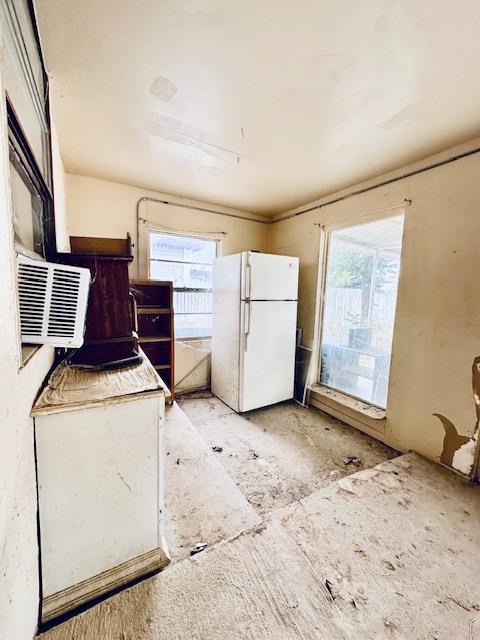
[(354, 412), (361, 406), (28, 351)]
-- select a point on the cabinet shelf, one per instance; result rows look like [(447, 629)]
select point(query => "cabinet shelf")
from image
[(154, 309), (144, 310)]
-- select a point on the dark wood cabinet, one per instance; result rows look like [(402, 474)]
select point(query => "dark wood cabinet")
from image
[(110, 341), (155, 327), (109, 307)]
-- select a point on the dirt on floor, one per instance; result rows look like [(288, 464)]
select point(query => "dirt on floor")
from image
[(203, 505), (389, 552), (280, 454)]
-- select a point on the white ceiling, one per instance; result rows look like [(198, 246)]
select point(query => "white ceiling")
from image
[(261, 105)]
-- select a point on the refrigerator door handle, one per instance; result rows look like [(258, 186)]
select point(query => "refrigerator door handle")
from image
[(248, 287), (247, 323)]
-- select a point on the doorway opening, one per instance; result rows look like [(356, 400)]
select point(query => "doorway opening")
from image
[(360, 295)]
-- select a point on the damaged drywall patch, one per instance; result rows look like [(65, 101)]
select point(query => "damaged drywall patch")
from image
[(163, 88), (459, 451), (172, 130), (399, 118)]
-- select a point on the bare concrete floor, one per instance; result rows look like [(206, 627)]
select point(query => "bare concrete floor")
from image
[(283, 453), (389, 552), (202, 502)]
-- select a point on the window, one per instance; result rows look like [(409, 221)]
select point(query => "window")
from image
[(31, 200), (26, 81), (360, 294), (187, 262), (28, 130), (26, 91)]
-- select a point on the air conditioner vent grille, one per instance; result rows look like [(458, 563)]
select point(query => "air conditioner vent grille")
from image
[(63, 304), (53, 302), (32, 290)]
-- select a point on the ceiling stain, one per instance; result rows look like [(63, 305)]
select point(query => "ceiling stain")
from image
[(344, 71), (344, 150), (163, 88), (398, 118), (210, 171), (193, 6), (178, 132)]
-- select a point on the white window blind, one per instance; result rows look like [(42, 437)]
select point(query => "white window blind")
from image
[(187, 262)]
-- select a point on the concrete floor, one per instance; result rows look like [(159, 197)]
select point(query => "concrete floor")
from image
[(281, 454), (202, 502), (269, 459), (389, 552)]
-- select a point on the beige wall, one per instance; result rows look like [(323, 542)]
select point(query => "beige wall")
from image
[(108, 209), (19, 578), (438, 313), (436, 332), (59, 194)]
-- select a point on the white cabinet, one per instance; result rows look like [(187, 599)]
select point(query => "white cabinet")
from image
[(100, 485)]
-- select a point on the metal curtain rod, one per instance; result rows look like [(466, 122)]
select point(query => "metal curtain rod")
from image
[(182, 206), (195, 208), (357, 192), (327, 203)]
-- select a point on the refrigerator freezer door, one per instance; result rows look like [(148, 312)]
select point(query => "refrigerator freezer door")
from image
[(226, 329), (269, 277), (267, 353)]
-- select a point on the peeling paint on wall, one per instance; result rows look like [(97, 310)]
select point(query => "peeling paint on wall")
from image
[(459, 451), (452, 441)]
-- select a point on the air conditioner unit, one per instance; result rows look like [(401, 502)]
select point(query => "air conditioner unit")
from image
[(53, 302)]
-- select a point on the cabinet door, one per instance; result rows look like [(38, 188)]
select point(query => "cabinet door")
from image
[(98, 483)]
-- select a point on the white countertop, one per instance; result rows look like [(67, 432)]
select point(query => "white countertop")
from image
[(70, 388)]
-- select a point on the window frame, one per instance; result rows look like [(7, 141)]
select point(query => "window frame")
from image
[(181, 234), (326, 231), (19, 144), (18, 140)]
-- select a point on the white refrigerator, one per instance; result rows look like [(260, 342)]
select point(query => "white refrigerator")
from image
[(254, 329)]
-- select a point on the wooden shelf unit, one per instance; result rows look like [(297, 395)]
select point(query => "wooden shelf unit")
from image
[(155, 326)]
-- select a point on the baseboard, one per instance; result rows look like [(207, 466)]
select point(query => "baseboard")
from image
[(185, 390), (92, 588)]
